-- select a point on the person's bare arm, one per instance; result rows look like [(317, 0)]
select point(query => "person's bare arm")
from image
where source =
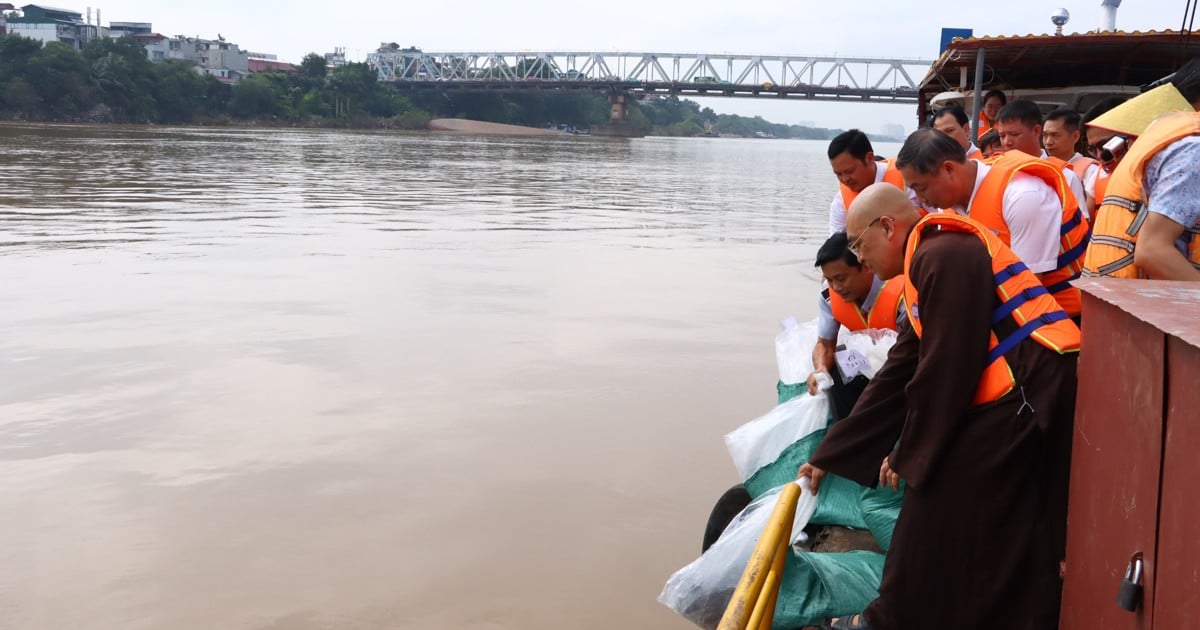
[(1155, 252), (823, 357)]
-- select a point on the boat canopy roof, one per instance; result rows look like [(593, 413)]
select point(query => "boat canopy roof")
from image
[(1023, 63)]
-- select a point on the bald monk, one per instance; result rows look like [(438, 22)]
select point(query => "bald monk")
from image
[(975, 417)]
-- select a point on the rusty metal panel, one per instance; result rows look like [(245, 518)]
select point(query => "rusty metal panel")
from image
[(1116, 457), (1177, 590), (1172, 307)]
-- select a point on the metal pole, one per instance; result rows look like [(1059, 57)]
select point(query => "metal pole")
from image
[(977, 108)]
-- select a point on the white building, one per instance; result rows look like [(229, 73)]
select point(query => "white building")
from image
[(129, 29), (218, 57), (48, 24)]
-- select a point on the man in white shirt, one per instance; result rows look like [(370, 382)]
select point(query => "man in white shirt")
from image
[(939, 172), (856, 167), (1020, 127), (953, 121), (1060, 136)]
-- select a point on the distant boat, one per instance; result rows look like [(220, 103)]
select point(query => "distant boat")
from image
[(764, 134)]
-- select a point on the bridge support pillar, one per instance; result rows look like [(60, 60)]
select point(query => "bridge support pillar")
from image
[(619, 113), (618, 119)]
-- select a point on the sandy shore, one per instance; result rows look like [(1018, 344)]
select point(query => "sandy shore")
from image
[(460, 125)]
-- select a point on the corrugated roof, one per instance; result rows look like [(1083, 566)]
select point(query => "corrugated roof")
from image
[(1062, 62), (52, 9), (1038, 61)]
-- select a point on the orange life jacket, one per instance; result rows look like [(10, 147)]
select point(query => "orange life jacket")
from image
[(975, 154), (984, 125), (891, 175), (1080, 164), (1101, 187), (988, 209), (1123, 209), (1026, 305), (883, 311), (1066, 166)]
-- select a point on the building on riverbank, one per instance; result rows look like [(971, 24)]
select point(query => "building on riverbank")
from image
[(48, 24), (216, 57)]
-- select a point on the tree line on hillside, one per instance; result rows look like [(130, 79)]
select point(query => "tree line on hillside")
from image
[(111, 80)]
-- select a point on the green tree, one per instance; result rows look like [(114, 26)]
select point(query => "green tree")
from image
[(15, 54), (179, 91), (17, 94), (533, 67), (312, 67), (258, 97), (123, 75), (60, 77), (352, 87)]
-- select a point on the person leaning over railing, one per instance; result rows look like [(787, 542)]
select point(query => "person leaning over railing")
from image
[(973, 411), (855, 298), (1148, 225)]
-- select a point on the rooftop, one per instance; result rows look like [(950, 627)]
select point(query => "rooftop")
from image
[(1041, 62)]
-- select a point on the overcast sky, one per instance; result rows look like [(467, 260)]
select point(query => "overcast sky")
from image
[(867, 28)]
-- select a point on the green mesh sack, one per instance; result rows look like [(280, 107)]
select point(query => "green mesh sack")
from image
[(838, 503), (838, 499), (788, 391), (880, 507), (817, 586), (784, 468)]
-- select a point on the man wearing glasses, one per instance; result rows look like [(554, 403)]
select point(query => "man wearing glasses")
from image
[(1149, 223), (855, 298), (1021, 198), (1096, 138), (974, 412)]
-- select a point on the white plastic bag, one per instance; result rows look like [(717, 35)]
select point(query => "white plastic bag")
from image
[(872, 344), (701, 590), (760, 441), (793, 350)]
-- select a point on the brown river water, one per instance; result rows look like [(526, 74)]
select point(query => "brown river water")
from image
[(302, 380)]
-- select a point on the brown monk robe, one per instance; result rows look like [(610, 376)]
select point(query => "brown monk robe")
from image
[(982, 526)]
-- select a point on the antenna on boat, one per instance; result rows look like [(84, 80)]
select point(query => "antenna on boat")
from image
[(1110, 13), (1060, 17)]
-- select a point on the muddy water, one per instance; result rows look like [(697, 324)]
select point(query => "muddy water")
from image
[(299, 380)]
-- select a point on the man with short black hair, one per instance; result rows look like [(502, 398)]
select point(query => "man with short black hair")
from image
[(1060, 136), (853, 160), (1020, 127), (952, 121), (989, 145), (855, 298), (1015, 195)]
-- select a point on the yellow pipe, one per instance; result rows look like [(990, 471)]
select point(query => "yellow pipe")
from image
[(775, 535), (760, 612), (774, 580)]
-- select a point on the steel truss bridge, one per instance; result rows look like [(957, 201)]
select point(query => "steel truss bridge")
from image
[(786, 76)]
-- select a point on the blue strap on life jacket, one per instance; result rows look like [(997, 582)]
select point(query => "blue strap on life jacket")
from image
[(1023, 333), (1017, 301), (1006, 274), (1062, 286), (1068, 257), (1072, 224)]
